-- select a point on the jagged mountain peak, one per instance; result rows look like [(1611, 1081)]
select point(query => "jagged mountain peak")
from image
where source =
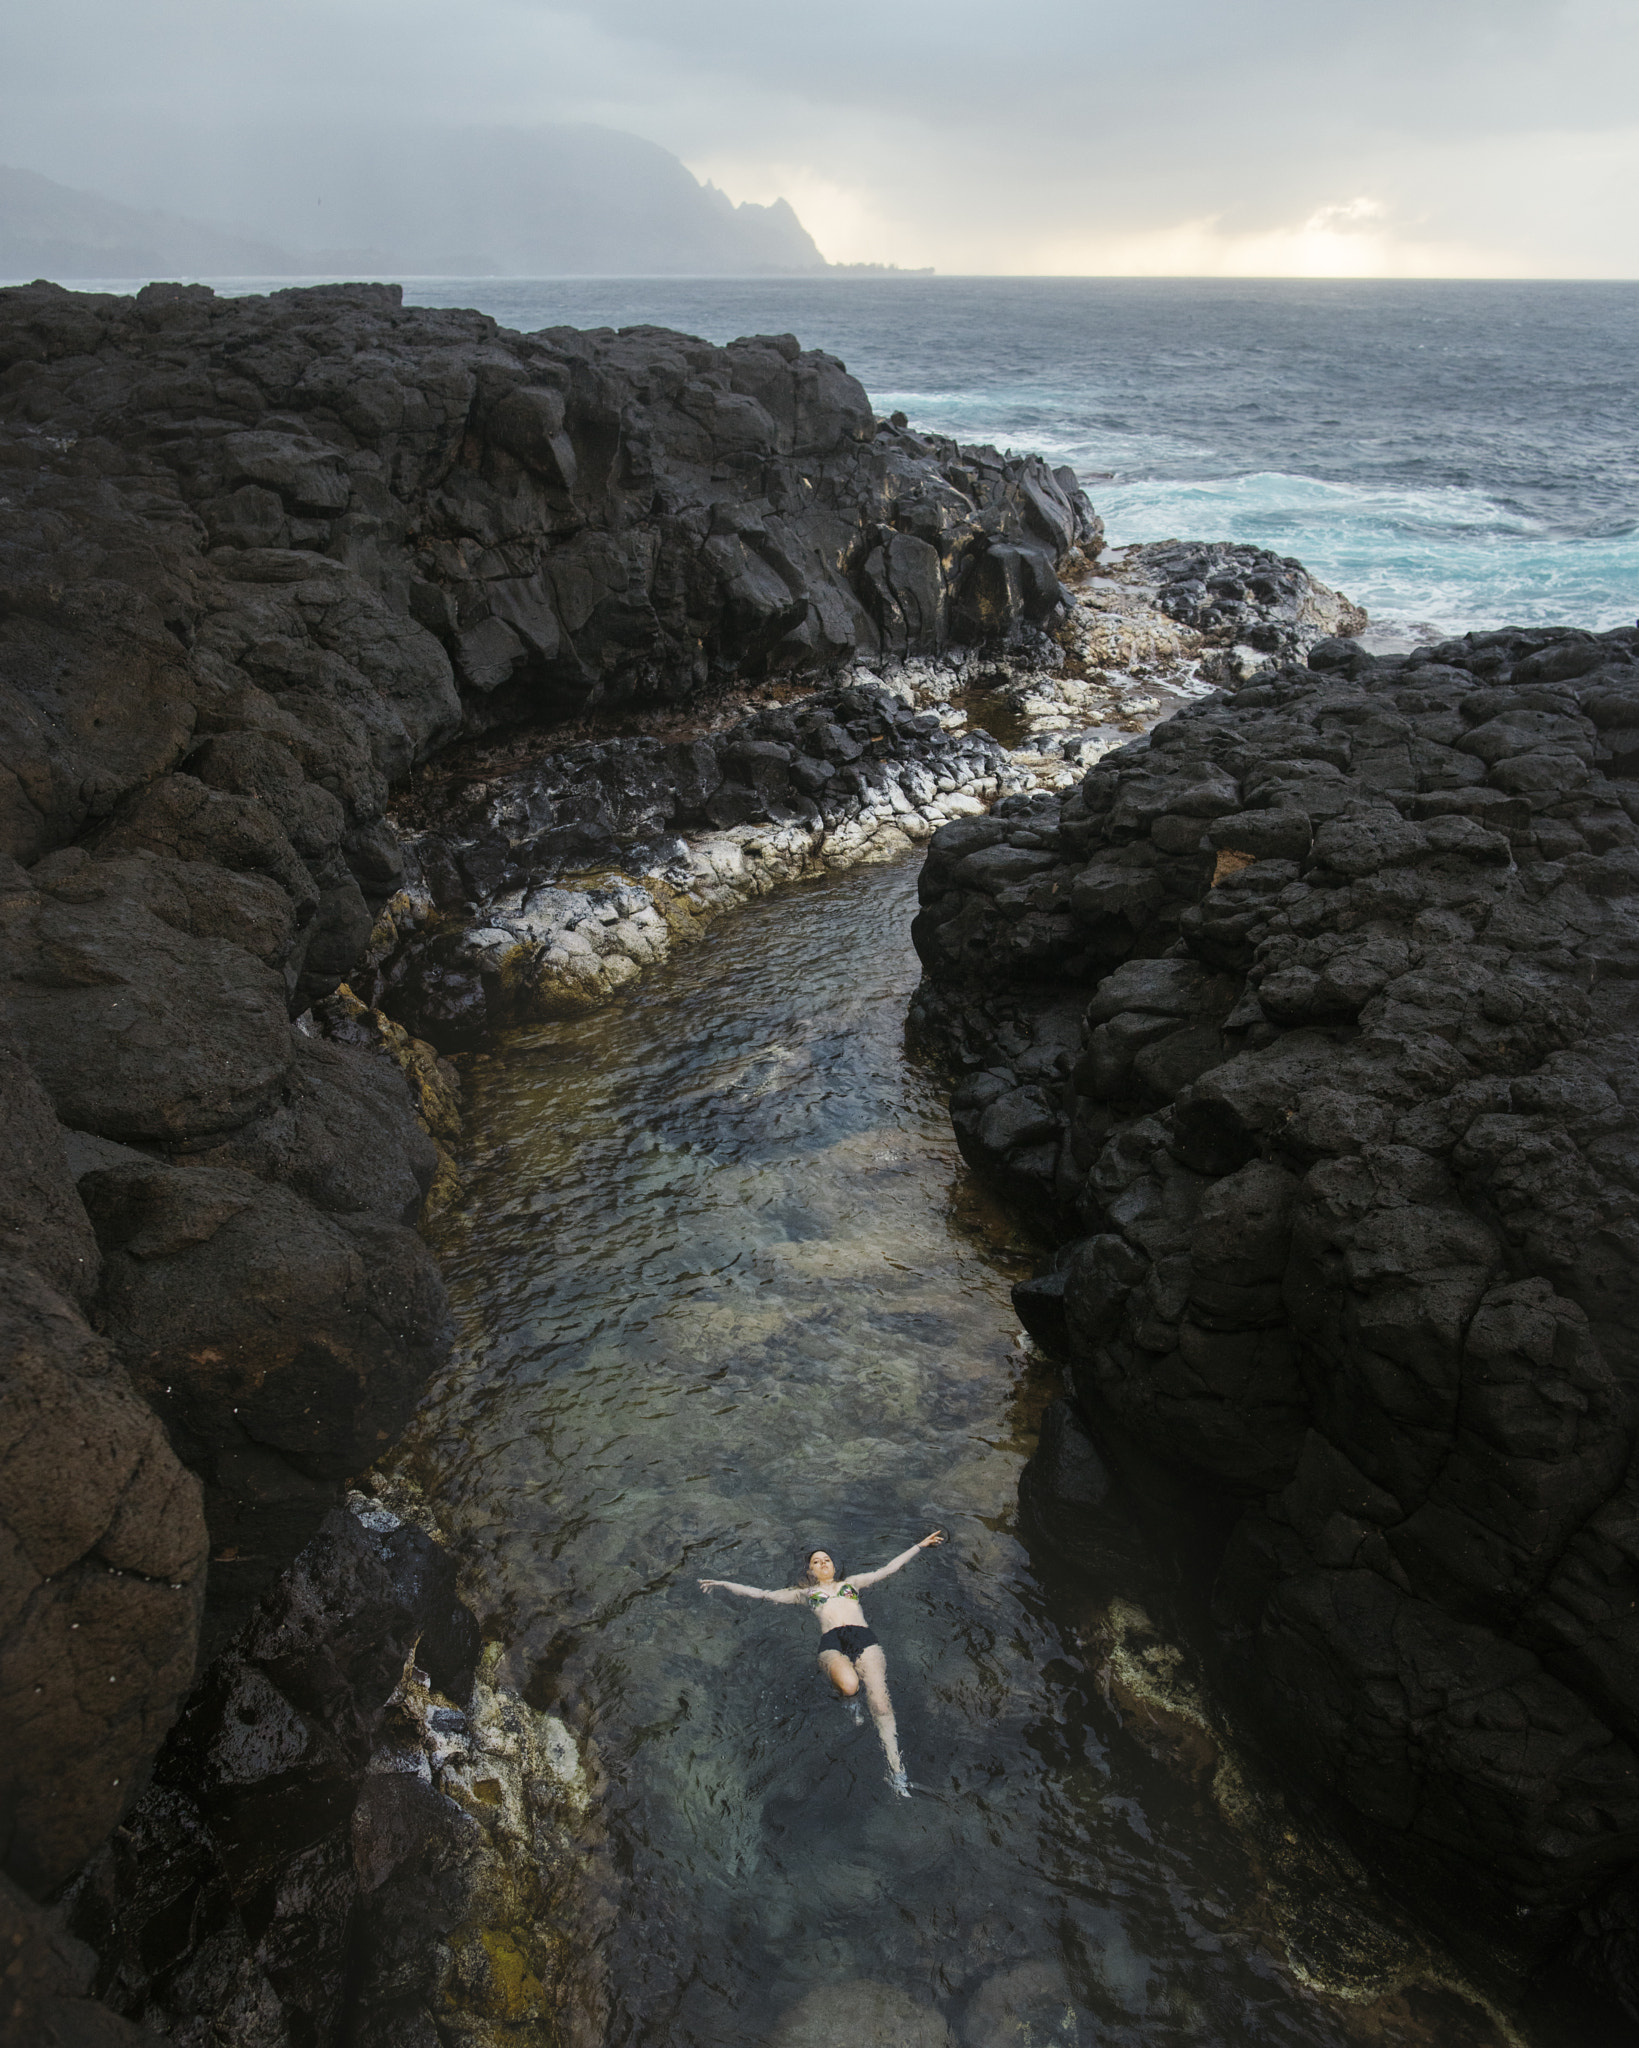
[(568, 198)]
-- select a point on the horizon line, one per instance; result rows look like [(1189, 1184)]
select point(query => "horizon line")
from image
[(854, 273)]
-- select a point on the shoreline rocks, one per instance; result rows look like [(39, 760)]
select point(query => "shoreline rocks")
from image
[(545, 888), (350, 1830), (260, 559), (550, 890), (1307, 1022)]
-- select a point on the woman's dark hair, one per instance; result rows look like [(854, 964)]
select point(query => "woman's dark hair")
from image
[(819, 1550)]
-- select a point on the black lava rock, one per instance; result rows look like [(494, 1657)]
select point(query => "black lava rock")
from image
[(1345, 1149)]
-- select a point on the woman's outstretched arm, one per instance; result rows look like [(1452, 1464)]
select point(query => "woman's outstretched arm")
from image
[(897, 1564), (788, 1596)]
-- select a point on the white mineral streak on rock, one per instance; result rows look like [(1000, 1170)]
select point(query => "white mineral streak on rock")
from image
[(1120, 662), (565, 950), (496, 1756)]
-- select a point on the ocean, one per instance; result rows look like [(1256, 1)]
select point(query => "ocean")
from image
[(1453, 456)]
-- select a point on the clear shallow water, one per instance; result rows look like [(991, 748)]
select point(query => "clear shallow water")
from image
[(1455, 455), (728, 1294)]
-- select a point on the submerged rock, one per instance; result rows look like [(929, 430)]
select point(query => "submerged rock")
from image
[(1028, 2006), (1310, 1018), (860, 2015)]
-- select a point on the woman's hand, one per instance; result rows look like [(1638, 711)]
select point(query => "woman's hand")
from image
[(927, 1542), (707, 1584)]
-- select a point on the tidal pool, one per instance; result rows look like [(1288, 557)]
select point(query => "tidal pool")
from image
[(727, 1292)]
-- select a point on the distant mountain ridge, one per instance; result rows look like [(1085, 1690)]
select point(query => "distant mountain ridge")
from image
[(50, 230), (477, 202)]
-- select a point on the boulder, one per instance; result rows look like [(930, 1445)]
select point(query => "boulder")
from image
[(341, 1133), (350, 1834), (247, 1829), (43, 1223), (283, 1347), (1030, 2005), (141, 1018), (1342, 1170), (45, 1985), (102, 1575)]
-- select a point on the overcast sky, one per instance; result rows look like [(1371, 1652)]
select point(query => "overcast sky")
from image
[(1395, 137)]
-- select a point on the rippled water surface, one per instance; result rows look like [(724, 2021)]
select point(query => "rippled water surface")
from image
[(727, 1294)]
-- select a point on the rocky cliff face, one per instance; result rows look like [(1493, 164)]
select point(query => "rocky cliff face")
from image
[(258, 559), (1309, 1021)]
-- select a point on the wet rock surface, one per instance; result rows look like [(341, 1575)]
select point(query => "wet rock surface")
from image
[(1134, 644), (545, 887), (878, 2014), (1308, 1023), (1242, 599), (549, 889), (349, 1832), (46, 1996)]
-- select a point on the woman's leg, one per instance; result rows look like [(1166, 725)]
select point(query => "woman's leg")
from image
[(873, 1668), (840, 1672)]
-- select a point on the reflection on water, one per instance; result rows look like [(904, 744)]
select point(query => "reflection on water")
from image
[(729, 1294)]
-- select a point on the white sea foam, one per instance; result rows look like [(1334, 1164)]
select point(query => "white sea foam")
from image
[(1048, 421), (1422, 560), (1440, 557)]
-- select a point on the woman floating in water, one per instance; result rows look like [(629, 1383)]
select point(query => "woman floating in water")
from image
[(849, 1653)]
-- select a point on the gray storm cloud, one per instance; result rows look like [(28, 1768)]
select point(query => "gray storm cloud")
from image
[(1482, 133)]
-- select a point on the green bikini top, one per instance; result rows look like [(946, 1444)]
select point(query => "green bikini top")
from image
[(818, 1597)]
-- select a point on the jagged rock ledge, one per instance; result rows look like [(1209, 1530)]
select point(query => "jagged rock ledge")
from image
[(259, 558), (548, 892), (351, 1832), (540, 890), (1308, 1022)]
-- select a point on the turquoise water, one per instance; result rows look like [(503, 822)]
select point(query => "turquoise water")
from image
[(1434, 560)]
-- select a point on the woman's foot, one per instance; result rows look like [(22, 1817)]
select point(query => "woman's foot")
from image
[(900, 1783)]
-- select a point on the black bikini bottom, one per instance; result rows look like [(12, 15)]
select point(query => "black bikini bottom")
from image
[(852, 1642)]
